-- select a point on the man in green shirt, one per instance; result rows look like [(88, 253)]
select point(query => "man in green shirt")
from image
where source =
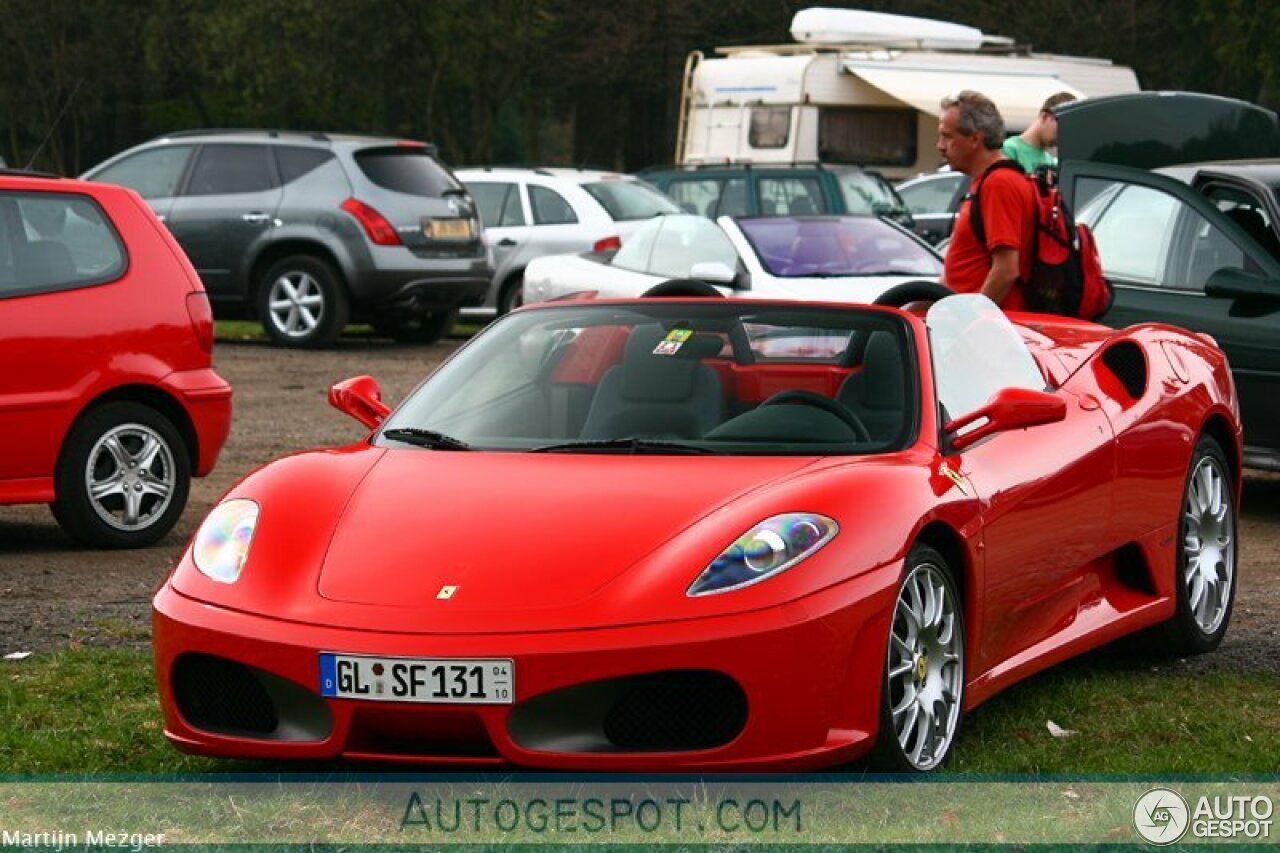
[(1031, 147)]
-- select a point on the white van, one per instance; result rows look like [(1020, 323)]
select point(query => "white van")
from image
[(865, 87)]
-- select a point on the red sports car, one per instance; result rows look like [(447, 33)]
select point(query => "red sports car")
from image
[(108, 398), (678, 534)]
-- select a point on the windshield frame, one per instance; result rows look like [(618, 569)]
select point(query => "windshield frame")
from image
[(506, 332)]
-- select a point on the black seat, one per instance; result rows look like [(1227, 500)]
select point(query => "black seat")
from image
[(875, 393), (657, 396), (1256, 227)]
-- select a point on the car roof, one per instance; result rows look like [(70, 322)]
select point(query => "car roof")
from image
[(577, 176), (1263, 171), (303, 137)]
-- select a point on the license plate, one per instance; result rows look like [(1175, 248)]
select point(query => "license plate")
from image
[(457, 681), (447, 229)]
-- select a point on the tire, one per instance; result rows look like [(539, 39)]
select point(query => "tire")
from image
[(102, 499), (512, 295), (426, 328), (1205, 580), (302, 302), (920, 716)]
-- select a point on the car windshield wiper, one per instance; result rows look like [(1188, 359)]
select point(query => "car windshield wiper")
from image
[(426, 438), (629, 445)]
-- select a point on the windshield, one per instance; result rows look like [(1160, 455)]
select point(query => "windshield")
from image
[(865, 192), (713, 376), (837, 246), (976, 352), (630, 200)]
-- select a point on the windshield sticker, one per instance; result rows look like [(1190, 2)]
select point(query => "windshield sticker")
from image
[(670, 345)]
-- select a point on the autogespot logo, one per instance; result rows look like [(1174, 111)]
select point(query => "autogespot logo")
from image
[(1161, 816)]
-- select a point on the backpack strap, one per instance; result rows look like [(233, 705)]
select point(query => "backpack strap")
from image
[(975, 207)]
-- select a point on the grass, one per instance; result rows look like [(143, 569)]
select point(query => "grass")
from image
[(84, 710), (251, 330)]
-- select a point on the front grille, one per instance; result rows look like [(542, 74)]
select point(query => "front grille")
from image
[(222, 696), (678, 710)]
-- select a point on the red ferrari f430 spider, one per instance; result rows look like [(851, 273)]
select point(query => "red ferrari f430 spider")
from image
[(708, 534)]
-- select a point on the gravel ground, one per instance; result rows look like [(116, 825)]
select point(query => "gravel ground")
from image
[(53, 594)]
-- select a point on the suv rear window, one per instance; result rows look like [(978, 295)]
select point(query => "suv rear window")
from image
[(630, 200), (406, 170), (55, 241)]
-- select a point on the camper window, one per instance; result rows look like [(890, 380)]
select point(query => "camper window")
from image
[(868, 135), (770, 127)]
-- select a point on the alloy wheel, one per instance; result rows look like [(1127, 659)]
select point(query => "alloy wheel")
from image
[(295, 303), (1207, 545), (130, 476)]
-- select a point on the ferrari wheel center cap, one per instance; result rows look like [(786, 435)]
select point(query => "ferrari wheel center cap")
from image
[(922, 667)]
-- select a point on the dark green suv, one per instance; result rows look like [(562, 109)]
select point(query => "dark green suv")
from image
[(783, 189)]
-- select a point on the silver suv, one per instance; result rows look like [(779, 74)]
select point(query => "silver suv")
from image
[(307, 231)]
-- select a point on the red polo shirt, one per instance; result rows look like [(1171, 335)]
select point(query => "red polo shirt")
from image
[(1009, 219)]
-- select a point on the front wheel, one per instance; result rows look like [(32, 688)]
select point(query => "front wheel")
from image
[(922, 694), (302, 302), (122, 478), (1206, 566)]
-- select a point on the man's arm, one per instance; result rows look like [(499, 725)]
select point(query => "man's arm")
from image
[(1003, 274)]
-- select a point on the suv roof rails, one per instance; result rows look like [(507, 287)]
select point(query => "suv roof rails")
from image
[(753, 164), (11, 172), (227, 131)]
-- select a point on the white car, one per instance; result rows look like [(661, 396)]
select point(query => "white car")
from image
[(528, 213), (816, 258)]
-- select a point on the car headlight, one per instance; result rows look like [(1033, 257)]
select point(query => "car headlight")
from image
[(222, 542), (772, 546)]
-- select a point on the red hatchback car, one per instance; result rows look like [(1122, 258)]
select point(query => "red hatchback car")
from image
[(108, 398)]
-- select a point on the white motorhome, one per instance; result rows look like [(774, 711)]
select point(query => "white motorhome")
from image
[(865, 87)]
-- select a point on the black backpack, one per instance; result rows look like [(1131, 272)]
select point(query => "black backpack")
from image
[(1066, 272)]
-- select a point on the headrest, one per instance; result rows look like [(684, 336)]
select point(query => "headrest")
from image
[(652, 375)]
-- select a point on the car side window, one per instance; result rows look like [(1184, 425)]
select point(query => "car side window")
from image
[(1134, 229), (684, 242), (55, 241), (550, 208), (230, 169), (790, 196), (931, 195), (153, 173), (295, 161), (699, 196), (1249, 212), (499, 203)]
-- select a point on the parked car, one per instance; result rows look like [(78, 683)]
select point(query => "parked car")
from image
[(528, 213), (306, 231), (800, 189), (708, 535), (824, 258), (933, 199), (108, 399), (1191, 244)]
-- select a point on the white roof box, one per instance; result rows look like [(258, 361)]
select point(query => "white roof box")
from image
[(821, 25)]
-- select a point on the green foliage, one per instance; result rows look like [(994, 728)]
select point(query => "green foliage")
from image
[(534, 80)]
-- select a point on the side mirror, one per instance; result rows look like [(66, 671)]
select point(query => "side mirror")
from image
[(1008, 408), (361, 398), (1231, 283), (714, 272)]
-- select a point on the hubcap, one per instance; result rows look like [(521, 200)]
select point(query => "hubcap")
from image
[(926, 667), (130, 477), (1208, 546), (295, 304)]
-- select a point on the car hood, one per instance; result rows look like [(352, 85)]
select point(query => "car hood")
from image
[(519, 531)]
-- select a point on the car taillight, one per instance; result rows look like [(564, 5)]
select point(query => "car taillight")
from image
[(373, 223), (201, 318), (614, 242)]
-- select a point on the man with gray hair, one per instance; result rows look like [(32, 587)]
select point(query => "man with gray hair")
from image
[(970, 132)]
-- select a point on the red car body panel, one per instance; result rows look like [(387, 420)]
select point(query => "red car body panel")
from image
[(130, 338), (1064, 535)]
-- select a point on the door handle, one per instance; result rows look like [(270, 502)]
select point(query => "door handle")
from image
[(506, 242), (255, 218)]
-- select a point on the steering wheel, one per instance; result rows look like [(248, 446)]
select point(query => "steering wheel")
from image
[(913, 291), (810, 398)]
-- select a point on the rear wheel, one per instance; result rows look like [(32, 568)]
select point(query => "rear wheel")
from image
[(123, 477), (426, 327), (512, 295), (1205, 582), (302, 302), (922, 693)]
